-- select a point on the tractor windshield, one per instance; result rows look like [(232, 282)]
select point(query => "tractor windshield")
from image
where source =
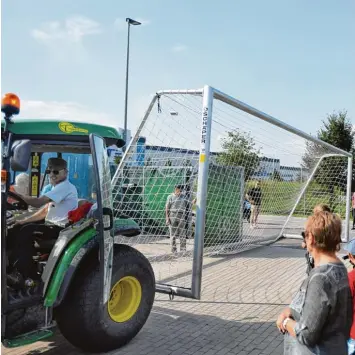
[(104, 199)]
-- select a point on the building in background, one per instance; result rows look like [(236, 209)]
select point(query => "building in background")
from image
[(153, 155), (269, 168), (292, 173), (266, 169), (114, 153)]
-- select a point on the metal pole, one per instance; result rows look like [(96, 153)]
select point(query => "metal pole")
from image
[(133, 141), (181, 92), (126, 97), (304, 195), (205, 142), (348, 199), (265, 117), (305, 188)]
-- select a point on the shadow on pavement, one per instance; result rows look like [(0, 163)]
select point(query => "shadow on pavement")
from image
[(241, 300), (175, 332)]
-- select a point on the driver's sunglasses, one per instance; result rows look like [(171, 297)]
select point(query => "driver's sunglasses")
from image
[(55, 172)]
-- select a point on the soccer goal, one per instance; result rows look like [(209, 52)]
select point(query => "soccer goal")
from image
[(245, 177)]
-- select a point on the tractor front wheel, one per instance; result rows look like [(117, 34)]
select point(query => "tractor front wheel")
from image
[(95, 329)]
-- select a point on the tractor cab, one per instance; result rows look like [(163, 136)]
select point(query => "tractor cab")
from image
[(84, 247), (47, 139)]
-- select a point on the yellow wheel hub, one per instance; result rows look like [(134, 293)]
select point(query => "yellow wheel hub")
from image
[(125, 298)]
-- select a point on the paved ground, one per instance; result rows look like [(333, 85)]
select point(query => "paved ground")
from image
[(242, 296), (158, 249)]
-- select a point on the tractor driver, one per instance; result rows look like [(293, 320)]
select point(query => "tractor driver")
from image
[(50, 219)]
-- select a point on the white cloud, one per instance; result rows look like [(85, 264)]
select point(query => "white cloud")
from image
[(63, 110), (120, 24), (73, 29), (73, 111), (179, 48)]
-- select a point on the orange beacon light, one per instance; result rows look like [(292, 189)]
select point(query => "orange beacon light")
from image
[(10, 105)]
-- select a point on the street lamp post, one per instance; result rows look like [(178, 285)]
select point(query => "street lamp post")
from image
[(129, 23)]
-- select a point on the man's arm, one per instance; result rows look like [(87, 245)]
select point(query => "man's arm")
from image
[(38, 216), (36, 201), (57, 194)]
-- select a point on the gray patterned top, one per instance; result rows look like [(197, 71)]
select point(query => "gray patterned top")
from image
[(322, 309), (176, 204)]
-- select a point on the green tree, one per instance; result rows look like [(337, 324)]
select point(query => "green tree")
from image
[(337, 130), (239, 150)]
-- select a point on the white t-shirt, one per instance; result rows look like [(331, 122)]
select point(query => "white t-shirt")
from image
[(64, 198)]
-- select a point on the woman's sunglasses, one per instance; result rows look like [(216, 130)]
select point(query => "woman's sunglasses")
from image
[(55, 172), (304, 235)]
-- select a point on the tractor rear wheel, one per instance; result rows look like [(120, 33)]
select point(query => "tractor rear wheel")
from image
[(95, 329)]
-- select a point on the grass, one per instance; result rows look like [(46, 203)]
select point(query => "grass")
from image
[(279, 198), (223, 197)]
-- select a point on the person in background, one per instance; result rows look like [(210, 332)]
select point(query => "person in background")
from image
[(350, 248), (22, 184), (353, 208), (319, 318), (254, 196), (93, 193), (175, 210), (309, 260)]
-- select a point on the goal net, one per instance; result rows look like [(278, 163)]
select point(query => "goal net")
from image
[(244, 179)]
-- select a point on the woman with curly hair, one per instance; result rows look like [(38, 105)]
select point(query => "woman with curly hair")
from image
[(319, 318)]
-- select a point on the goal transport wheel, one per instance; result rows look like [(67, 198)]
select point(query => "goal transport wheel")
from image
[(95, 329)]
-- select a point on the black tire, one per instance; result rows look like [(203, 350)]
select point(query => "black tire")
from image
[(84, 323)]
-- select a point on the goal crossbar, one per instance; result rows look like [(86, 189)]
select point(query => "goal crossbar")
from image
[(209, 94)]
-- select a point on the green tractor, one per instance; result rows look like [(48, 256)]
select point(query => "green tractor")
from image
[(98, 293)]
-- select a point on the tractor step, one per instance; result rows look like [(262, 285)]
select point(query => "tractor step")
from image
[(28, 338)]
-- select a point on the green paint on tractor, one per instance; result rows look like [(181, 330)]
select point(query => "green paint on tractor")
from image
[(39, 127), (63, 265)]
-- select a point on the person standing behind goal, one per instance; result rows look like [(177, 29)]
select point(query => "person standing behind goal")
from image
[(175, 211), (254, 196)]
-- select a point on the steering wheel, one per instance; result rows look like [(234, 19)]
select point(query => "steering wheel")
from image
[(19, 203)]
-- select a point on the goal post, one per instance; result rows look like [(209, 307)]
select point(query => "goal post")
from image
[(201, 203), (246, 179), (334, 151)]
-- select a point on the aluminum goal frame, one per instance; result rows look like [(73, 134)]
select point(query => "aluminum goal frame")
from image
[(209, 94)]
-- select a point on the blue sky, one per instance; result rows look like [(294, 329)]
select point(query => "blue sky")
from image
[(291, 59)]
